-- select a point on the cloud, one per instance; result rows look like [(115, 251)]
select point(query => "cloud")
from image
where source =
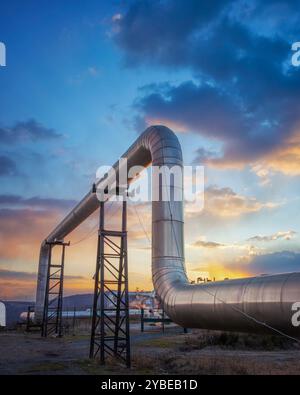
[(249, 265), (244, 92), (284, 159), (116, 17), (18, 285), (199, 107), (277, 262), (36, 202), (263, 172), (30, 130), (217, 114), (22, 231), (203, 155), (224, 202), (31, 157), (81, 77), (25, 222), (207, 244), (288, 235), (7, 167), (159, 31), (16, 275)]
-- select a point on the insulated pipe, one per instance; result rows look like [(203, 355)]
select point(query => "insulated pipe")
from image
[(249, 304)]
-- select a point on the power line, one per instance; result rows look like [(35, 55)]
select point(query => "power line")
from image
[(87, 236), (95, 229), (141, 224)]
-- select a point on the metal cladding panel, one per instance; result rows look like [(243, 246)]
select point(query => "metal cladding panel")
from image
[(162, 209), (290, 291), (236, 305), (167, 239)]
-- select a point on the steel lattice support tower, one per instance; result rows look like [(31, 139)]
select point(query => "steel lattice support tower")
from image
[(110, 323), (52, 320)]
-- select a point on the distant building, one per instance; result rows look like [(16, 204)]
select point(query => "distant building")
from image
[(141, 299), (2, 315)]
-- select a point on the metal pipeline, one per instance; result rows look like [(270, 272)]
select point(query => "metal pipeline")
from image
[(248, 304)]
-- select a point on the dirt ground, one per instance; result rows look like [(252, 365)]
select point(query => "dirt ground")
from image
[(172, 352)]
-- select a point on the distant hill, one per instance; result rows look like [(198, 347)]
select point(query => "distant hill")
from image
[(15, 308), (79, 301), (85, 301)]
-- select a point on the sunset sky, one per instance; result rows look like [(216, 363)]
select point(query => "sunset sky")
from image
[(83, 79)]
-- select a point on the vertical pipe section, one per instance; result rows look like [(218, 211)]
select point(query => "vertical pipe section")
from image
[(42, 281)]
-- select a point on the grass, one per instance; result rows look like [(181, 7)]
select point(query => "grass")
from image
[(91, 367), (164, 342), (75, 337), (177, 363), (46, 367), (185, 356), (198, 352), (238, 341), (111, 366), (224, 340)]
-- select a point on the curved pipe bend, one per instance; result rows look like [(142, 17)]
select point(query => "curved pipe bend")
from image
[(235, 305)]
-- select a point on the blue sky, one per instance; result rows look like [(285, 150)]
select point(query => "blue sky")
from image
[(84, 78)]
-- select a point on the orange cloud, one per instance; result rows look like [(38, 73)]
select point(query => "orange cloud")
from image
[(176, 126), (285, 159), (207, 244), (224, 202), (22, 230), (16, 285)]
